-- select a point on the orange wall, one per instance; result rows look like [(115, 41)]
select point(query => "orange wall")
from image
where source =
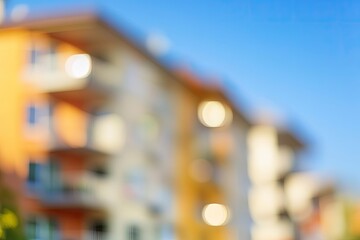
[(12, 48), (16, 144)]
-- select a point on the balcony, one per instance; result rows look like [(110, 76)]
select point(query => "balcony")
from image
[(73, 132), (83, 235), (70, 190), (94, 235), (83, 81), (74, 142)]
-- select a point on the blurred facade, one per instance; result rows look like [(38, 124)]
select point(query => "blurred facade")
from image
[(105, 142), (315, 205), (217, 169), (109, 143), (273, 158)]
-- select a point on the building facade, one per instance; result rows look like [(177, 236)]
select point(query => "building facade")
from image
[(273, 156), (110, 144)]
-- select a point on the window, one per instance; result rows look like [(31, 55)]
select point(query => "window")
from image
[(32, 229), (43, 56), (37, 113), (53, 60), (99, 171), (52, 176), (98, 229), (33, 56), (43, 177), (42, 228), (37, 120), (165, 232), (134, 233), (32, 172), (34, 175), (52, 229), (32, 114)]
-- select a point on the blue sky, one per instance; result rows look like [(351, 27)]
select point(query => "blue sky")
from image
[(299, 58)]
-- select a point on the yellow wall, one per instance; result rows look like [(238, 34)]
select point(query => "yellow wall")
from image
[(191, 195)]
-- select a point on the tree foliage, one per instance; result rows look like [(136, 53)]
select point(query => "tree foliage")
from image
[(11, 227)]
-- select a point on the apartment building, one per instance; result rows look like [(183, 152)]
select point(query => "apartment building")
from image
[(91, 139), (273, 156), (316, 206), (110, 144)]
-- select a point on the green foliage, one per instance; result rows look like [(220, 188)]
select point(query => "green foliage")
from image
[(352, 238), (10, 222), (349, 207)]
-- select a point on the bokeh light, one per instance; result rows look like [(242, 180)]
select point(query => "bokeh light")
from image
[(215, 214), (263, 154), (109, 133), (213, 114), (78, 65)]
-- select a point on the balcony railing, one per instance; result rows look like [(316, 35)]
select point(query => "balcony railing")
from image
[(86, 138), (93, 235), (51, 74), (74, 235), (84, 235), (69, 190)]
